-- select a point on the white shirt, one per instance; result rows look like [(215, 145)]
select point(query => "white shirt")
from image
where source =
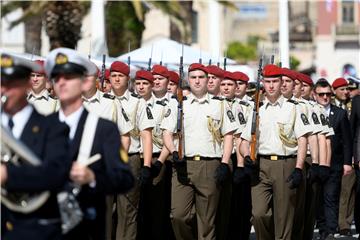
[(327, 110), (20, 119), (71, 120)]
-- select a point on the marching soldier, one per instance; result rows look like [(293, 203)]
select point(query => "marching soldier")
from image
[(143, 122), (240, 93), (39, 96), (215, 74), (91, 137), (47, 139), (208, 142), (239, 203), (341, 92), (281, 129), (173, 82)]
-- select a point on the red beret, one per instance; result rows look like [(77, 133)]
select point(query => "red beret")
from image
[(240, 76), (197, 66), (339, 82), (271, 70), (146, 75), (174, 77), (107, 74), (289, 73), (304, 78), (229, 75), (41, 63), (120, 67), (215, 70), (160, 70)]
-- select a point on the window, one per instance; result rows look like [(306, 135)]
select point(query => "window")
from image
[(348, 11)]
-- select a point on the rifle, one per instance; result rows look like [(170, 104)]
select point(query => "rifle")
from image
[(225, 61), (200, 59), (161, 58), (180, 97), (129, 60), (103, 68), (209, 61), (149, 63), (255, 117)]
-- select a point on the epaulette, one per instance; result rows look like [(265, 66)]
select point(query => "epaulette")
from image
[(175, 97), (162, 103), (135, 95), (261, 103), (292, 101), (217, 98), (244, 103), (229, 100), (109, 96), (53, 97)]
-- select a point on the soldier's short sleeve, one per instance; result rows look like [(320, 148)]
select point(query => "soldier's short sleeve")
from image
[(229, 123), (145, 117), (124, 124), (302, 124), (169, 122)]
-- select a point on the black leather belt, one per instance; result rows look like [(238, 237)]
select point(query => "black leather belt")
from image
[(154, 155), (132, 154), (198, 158), (276, 157)]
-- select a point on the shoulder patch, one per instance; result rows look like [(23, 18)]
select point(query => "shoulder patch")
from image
[(293, 101), (135, 95), (304, 119), (230, 115), (168, 113), (315, 118), (109, 96), (244, 103), (261, 103), (149, 113), (241, 118), (217, 98), (124, 115)]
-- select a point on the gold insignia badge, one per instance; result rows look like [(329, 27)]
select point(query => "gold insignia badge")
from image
[(6, 61), (35, 129), (61, 59), (123, 155), (9, 226)]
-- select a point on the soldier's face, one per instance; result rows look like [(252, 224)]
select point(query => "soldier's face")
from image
[(16, 92), (143, 88), (118, 80), (354, 92), (68, 87), (90, 84), (287, 87), (213, 85), (305, 90), (227, 88), (342, 93), (323, 95), (272, 86), (38, 82), (240, 90), (297, 88), (198, 82), (160, 84), (172, 88)]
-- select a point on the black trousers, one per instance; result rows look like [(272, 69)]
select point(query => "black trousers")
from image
[(357, 202), (329, 196)]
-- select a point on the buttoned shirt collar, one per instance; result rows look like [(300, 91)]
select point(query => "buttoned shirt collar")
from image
[(205, 99), (94, 98), (43, 94), (327, 109), (125, 96), (279, 102), (71, 120), (20, 119)]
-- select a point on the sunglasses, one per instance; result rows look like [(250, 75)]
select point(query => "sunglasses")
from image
[(328, 94)]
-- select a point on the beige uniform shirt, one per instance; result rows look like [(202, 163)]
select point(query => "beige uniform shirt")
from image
[(106, 106), (140, 115), (280, 125), (205, 121), (43, 103)]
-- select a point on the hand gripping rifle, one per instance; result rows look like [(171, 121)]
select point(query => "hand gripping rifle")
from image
[(180, 98), (255, 118), (103, 68)]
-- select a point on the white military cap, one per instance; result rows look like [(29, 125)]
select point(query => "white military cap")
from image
[(14, 67), (66, 60)]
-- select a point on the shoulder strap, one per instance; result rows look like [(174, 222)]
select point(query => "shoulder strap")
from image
[(87, 138)]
